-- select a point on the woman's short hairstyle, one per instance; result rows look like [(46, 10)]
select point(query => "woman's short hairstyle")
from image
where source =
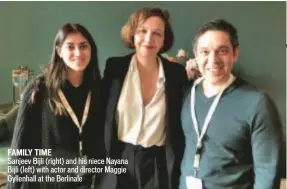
[(139, 17)]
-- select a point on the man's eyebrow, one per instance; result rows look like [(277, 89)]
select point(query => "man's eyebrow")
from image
[(203, 48), (223, 47)]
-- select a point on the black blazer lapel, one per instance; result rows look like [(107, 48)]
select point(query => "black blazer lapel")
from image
[(169, 93), (119, 68)]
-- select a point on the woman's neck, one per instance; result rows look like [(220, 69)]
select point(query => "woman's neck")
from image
[(147, 64), (75, 78)]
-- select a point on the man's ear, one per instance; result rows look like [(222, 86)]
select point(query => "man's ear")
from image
[(236, 54)]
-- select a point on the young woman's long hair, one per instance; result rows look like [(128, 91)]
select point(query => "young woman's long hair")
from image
[(54, 74)]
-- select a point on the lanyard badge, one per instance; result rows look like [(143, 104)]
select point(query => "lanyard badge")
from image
[(208, 117), (74, 117)]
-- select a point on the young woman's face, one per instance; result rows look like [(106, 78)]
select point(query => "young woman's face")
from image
[(75, 52), (149, 37)]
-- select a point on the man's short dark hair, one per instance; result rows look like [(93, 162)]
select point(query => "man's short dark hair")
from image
[(218, 25)]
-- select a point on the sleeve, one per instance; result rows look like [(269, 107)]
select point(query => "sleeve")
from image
[(106, 80), (26, 135), (106, 88), (266, 141), (25, 125), (185, 83), (177, 130), (93, 135)]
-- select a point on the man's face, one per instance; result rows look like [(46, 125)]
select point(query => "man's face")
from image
[(215, 56)]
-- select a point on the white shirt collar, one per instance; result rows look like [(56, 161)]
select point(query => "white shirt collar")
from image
[(161, 77)]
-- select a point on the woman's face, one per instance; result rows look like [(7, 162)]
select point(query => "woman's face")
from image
[(75, 52), (149, 37)]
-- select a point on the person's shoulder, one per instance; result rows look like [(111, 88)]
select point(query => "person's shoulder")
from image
[(116, 59), (251, 93), (117, 65), (35, 87), (247, 87), (178, 67), (187, 88), (33, 84), (172, 65), (175, 70)]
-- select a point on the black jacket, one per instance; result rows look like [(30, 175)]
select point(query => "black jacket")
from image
[(114, 75)]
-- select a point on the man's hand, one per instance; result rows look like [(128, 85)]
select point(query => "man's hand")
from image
[(192, 69)]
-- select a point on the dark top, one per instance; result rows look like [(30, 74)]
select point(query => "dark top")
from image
[(241, 148), (37, 127), (76, 97)]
